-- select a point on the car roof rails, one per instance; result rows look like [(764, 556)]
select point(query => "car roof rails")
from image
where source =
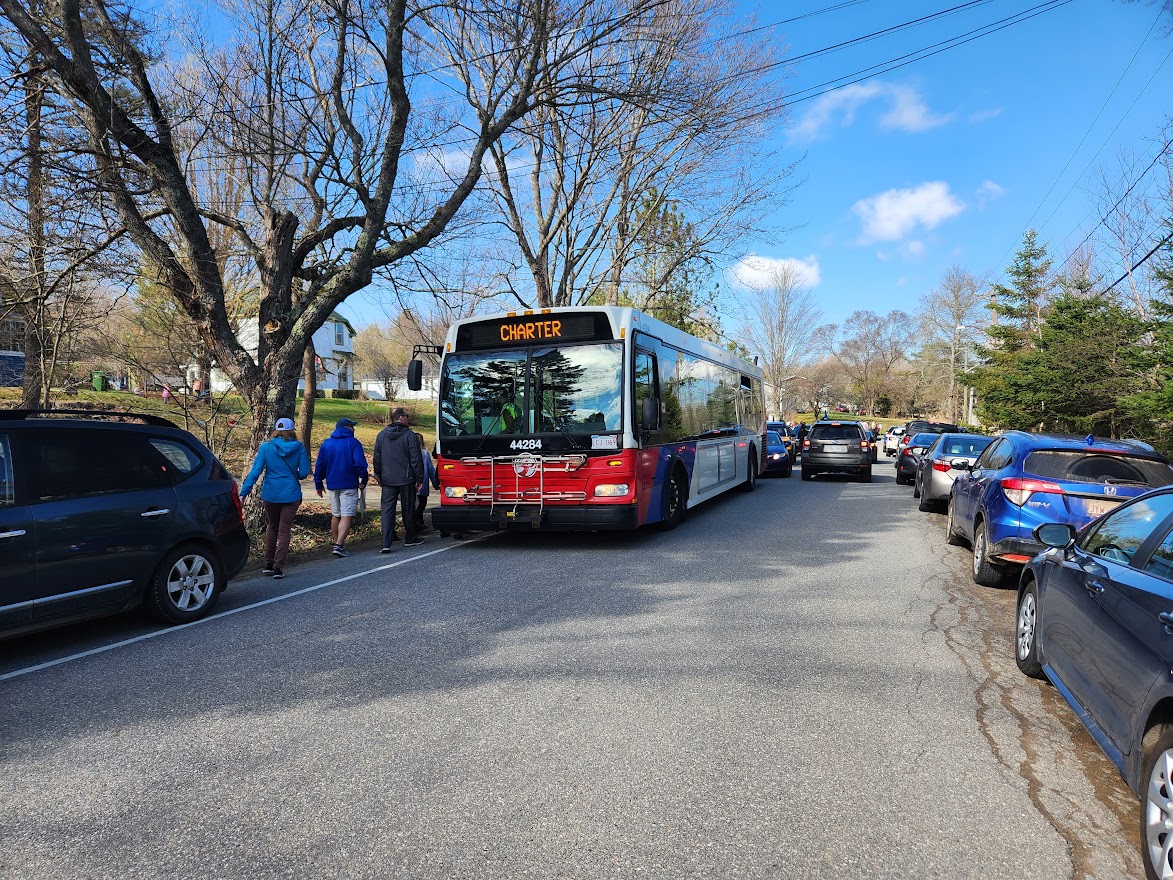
[(13, 415)]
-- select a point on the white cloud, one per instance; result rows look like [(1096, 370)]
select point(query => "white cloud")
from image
[(907, 111), (989, 192), (892, 215), (754, 271), (915, 248), (983, 115)]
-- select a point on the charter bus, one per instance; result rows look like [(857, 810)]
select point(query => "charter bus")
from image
[(588, 418)]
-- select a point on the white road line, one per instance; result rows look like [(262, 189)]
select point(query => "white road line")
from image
[(17, 673)]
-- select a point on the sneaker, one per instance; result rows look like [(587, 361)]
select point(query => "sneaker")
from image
[(414, 543), (268, 569), (339, 550), (278, 574), (385, 550)]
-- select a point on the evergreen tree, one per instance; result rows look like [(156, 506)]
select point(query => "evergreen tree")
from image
[(1151, 407)]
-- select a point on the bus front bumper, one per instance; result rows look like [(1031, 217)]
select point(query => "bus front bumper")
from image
[(598, 517)]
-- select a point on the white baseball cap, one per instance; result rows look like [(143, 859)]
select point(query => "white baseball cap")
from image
[(284, 425)]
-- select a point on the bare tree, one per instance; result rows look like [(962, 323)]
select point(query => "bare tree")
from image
[(779, 323), (869, 347), (688, 103), (953, 318), (323, 105)]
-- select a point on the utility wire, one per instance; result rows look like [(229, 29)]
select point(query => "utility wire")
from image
[(1168, 238)]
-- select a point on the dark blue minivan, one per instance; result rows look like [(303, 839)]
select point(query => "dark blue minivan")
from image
[(1095, 616), (101, 513)]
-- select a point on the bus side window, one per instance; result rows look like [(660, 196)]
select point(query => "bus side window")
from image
[(645, 383)]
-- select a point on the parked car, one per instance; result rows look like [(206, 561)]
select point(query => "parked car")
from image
[(950, 455), (1023, 480), (892, 440), (836, 446), (788, 438), (1094, 615), (910, 454), (101, 516), (778, 459)]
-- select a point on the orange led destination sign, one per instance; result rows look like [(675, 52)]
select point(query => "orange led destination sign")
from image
[(545, 329), (548, 329)]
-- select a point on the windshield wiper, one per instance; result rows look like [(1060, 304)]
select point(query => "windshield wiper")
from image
[(485, 436)]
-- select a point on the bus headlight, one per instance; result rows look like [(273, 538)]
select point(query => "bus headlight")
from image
[(455, 491), (611, 490)]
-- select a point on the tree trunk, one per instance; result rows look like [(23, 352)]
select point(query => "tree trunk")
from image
[(33, 393), (305, 417)]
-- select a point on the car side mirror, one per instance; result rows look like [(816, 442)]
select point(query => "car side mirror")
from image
[(415, 375), (650, 413), (1061, 535), (960, 464)]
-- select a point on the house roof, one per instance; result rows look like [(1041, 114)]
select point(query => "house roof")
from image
[(334, 316)]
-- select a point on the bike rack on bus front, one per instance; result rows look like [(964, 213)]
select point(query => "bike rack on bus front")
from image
[(522, 505)]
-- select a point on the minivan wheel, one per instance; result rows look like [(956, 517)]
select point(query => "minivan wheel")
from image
[(1026, 633), (185, 586), (985, 572), (1156, 838)]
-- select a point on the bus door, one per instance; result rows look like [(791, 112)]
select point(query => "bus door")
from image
[(648, 479)]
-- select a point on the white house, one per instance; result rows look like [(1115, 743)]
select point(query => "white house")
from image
[(333, 345)]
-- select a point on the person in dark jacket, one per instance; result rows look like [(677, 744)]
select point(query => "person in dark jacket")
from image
[(400, 472), (285, 463), (431, 480), (342, 467)]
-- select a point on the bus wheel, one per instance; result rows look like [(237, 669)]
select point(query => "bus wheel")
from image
[(751, 477), (675, 501)]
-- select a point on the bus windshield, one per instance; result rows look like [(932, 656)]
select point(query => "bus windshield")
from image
[(575, 389)]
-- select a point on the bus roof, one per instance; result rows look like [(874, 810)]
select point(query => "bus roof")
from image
[(624, 322)]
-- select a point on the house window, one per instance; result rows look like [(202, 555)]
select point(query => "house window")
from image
[(339, 338), (343, 381)]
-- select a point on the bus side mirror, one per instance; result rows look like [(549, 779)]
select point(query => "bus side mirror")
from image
[(415, 375), (650, 413)]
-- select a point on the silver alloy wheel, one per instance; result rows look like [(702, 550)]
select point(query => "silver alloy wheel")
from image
[(979, 549), (1158, 815), (191, 582), (1026, 624)]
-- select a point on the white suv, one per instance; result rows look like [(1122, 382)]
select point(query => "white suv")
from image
[(892, 440)]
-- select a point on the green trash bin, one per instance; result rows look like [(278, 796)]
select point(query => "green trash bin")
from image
[(100, 381)]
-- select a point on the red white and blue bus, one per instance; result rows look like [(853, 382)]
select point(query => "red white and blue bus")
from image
[(589, 418)]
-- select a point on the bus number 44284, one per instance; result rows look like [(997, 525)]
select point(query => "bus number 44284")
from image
[(526, 444)]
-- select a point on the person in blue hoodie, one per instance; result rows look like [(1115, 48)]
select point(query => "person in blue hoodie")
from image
[(342, 468), (285, 463)]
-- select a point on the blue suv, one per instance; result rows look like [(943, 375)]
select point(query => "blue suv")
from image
[(1023, 480), (99, 515)]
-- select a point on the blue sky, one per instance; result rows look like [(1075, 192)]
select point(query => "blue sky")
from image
[(946, 161)]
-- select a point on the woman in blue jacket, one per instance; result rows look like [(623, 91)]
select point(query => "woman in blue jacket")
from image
[(285, 463)]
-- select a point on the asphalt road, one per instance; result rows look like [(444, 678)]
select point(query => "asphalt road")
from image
[(801, 682)]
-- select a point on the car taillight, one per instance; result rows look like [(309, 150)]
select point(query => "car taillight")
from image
[(236, 501), (1017, 489), (942, 466), (863, 444), (806, 444)]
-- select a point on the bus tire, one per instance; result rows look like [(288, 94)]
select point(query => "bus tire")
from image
[(751, 476), (675, 501)]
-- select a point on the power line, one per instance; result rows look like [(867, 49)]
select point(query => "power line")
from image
[(1168, 238)]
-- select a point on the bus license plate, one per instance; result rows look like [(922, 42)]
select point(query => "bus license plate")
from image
[(835, 448)]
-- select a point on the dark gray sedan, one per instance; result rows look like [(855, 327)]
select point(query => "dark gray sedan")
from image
[(949, 456)]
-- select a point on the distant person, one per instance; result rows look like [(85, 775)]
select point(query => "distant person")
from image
[(166, 393), (285, 463), (342, 468), (400, 472), (197, 388), (431, 479)]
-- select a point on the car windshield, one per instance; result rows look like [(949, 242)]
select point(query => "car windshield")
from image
[(773, 438), (570, 388), (836, 432), (1091, 467), (923, 441)]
